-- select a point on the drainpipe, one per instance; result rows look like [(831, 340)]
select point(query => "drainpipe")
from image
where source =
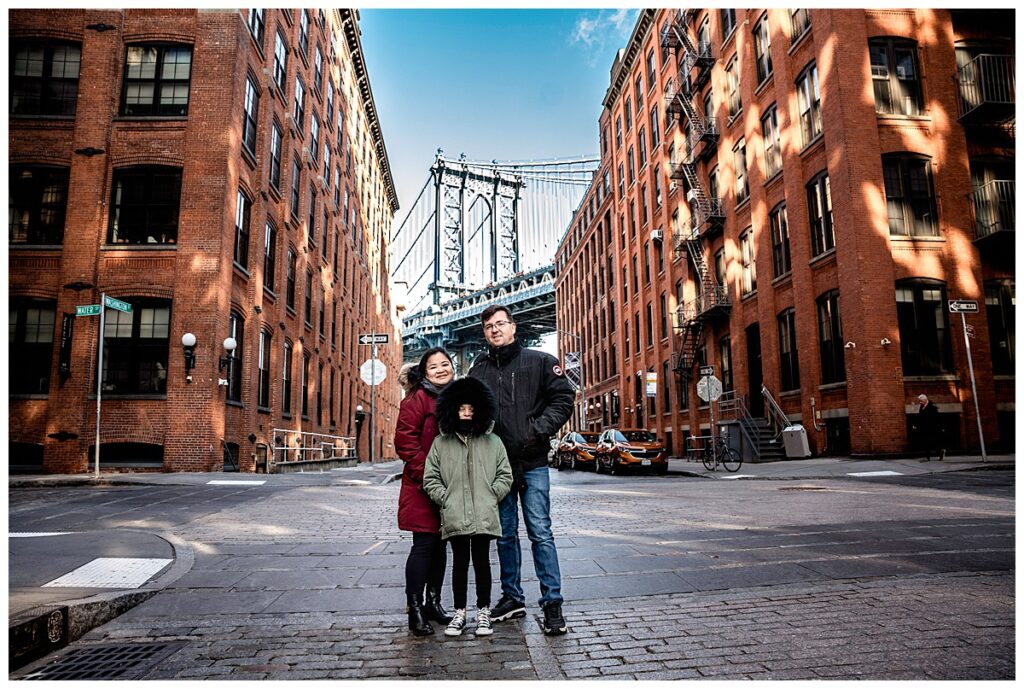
[(814, 418)]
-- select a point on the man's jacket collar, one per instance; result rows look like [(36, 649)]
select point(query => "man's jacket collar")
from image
[(502, 355)]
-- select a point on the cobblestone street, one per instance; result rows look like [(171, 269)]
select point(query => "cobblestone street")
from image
[(664, 578)]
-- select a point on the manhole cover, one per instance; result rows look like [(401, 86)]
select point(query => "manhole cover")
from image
[(803, 488), (129, 661)]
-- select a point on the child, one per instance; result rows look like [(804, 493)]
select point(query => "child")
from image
[(467, 473)]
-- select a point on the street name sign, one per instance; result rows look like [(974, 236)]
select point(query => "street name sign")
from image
[(117, 304), (88, 310), (373, 372), (373, 338), (963, 306)]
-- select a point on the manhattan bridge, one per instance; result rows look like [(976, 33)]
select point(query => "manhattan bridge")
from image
[(483, 233)]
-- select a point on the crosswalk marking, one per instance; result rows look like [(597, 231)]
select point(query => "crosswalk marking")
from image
[(218, 482), (875, 473), (111, 573)]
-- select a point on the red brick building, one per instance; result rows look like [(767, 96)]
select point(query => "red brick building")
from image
[(792, 197), (224, 173)]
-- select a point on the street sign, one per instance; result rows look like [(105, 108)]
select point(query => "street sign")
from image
[(963, 306), (373, 338), (707, 370), (373, 372), (117, 304), (88, 310), (709, 388), (652, 383)]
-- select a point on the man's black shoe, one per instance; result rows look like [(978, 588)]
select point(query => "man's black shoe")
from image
[(553, 623), (507, 608)]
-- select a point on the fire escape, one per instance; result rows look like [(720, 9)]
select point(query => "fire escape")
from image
[(706, 215)]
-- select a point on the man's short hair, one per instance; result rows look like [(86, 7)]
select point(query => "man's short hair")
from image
[(487, 313), (923, 397)]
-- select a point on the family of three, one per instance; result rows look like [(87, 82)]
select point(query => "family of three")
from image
[(475, 453)]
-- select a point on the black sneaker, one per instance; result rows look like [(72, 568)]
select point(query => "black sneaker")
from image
[(507, 608), (554, 623)]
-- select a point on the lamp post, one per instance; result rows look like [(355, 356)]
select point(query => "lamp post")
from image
[(360, 416), (228, 361), (188, 345)]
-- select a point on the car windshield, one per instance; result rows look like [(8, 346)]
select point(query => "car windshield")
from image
[(637, 437), (589, 438)]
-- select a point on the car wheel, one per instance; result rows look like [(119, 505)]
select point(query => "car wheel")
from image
[(572, 464), (613, 467), (597, 465)]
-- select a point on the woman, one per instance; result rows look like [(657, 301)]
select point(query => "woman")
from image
[(414, 434)]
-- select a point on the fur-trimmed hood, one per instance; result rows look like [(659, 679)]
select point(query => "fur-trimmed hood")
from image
[(465, 391)]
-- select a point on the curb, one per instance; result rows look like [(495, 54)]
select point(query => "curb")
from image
[(68, 621)]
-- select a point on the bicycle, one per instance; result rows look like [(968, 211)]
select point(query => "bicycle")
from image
[(718, 452)]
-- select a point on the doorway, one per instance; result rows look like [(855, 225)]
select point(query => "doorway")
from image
[(755, 377)]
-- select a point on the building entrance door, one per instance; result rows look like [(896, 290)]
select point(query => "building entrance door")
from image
[(754, 374)]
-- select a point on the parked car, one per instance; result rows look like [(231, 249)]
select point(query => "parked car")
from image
[(630, 448), (576, 450)]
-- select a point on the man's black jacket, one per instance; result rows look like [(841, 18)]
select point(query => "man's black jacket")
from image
[(533, 397)]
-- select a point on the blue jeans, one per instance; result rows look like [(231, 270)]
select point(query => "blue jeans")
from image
[(536, 502)]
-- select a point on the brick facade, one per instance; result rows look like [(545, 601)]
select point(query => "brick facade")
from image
[(867, 411), (196, 273)]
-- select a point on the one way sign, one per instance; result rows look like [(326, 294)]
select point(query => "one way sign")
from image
[(373, 338)]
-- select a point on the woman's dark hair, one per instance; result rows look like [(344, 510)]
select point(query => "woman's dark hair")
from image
[(419, 374)]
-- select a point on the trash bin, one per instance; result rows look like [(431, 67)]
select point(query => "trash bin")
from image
[(794, 438)]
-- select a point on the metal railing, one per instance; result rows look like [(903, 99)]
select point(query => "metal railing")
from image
[(712, 297), (994, 206), (777, 418), (986, 80), (301, 446), (732, 405)]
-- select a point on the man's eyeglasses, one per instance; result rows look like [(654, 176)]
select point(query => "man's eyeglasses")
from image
[(494, 326)]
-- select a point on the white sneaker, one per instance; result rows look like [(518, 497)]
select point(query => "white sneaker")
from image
[(457, 624), (483, 622)]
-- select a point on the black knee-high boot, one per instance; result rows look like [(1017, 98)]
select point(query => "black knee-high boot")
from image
[(418, 624), (432, 609)]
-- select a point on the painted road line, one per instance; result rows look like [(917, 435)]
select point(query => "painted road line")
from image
[(876, 473), (39, 534), (111, 573), (235, 483), (735, 476)]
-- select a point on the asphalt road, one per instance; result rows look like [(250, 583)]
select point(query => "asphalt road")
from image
[(664, 577)]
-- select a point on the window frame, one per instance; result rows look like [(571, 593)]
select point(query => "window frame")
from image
[(913, 354), (896, 167), (148, 205), (22, 84), (29, 198), (763, 50), (811, 125), (897, 89), (789, 360), (156, 108), (134, 348), (782, 260), (34, 356), (819, 195), (772, 141)]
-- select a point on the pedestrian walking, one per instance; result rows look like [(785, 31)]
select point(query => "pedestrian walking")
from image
[(534, 400), (415, 431), (929, 428), (467, 473)]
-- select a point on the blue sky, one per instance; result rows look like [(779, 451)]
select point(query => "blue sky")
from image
[(493, 84)]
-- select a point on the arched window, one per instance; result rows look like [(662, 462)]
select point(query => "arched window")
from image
[(263, 367)]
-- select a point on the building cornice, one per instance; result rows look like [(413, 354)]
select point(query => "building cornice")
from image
[(621, 69), (350, 22)]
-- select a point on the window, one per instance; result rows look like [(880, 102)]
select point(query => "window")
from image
[(632, 167), (257, 23), (625, 338), (647, 263), (772, 143), (650, 324), (894, 76), (280, 60), (135, 348), (31, 326), (719, 269), (778, 221), (830, 339), (263, 377), (618, 132), (644, 216), (628, 111), (304, 33), (296, 174), (144, 205), (308, 312), (655, 134), (270, 257), (657, 189), (650, 67), (725, 360), (809, 101), (242, 210), (37, 205), (748, 260), (909, 195), (250, 115), (236, 330), (286, 379), (800, 22), (314, 141), (44, 77), (636, 277), (789, 365), (641, 140), (289, 294), (275, 156), (636, 329), (819, 208), (762, 49), (318, 70), (305, 385), (622, 182), (728, 19), (663, 303), (638, 92), (924, 327), (299, 110), (1000, 303), (330, 102), (320, 393), (156, 80), (311, 222), (732, 76), (739, 158)]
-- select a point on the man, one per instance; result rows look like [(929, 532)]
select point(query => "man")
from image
[(929, 427), (534, 400)]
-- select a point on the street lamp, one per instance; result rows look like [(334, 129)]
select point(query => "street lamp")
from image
[(228, 361), (360, 417), (188, 345)]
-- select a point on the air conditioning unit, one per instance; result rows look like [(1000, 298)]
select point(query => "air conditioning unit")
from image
[(658, 234), (691, 195)]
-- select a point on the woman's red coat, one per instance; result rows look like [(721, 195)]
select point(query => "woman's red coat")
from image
[(414, 434)]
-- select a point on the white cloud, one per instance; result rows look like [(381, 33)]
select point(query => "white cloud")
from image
[(601, 33)]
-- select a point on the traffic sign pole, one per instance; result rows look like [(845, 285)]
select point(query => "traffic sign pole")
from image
[(373, 398), (974, 389), (99, 378)]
